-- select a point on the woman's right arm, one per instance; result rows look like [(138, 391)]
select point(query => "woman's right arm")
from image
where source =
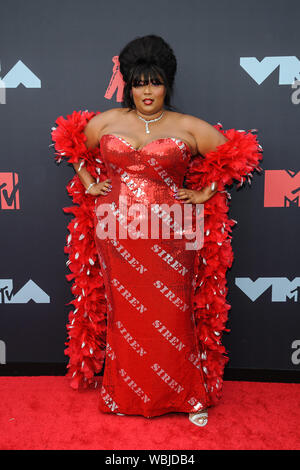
[(92, 132)]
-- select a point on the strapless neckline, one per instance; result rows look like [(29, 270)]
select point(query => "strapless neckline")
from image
[(160, 139)]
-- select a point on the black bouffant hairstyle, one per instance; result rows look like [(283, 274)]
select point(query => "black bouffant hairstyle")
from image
[(152, 57)]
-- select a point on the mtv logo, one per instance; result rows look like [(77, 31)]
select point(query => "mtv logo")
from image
[(289, 68), (116, 81), (282, 188), (281, 287), (9, 191), (30, 291), (20, 74)]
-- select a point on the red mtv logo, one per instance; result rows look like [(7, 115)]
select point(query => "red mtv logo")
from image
[(9, 191), (116, 81), (282, 188)]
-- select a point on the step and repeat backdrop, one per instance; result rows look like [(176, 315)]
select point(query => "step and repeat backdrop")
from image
[(238, 65)]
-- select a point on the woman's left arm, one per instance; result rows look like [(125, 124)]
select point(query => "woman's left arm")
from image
[(207, 139)]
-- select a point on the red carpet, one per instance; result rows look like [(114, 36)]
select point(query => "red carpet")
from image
[(45, 413)]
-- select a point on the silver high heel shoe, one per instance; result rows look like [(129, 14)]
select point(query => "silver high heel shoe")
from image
[(194, 418)]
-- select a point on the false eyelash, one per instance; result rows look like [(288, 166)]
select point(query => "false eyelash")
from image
[(154, 82)]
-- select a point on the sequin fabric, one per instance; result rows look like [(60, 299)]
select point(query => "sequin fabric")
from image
[(235, 161), (152, 363)]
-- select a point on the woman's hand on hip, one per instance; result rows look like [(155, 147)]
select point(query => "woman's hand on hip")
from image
[(195, 197), (190, 196), (101, 189)]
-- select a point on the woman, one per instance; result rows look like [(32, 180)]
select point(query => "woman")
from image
[(162, 347)]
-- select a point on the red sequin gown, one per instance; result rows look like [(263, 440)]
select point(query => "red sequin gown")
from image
[(133, 298), (152, 362)]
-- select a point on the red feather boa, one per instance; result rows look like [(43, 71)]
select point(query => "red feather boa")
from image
[(235, 160)]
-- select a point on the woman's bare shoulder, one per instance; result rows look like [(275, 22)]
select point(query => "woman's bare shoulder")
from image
[(95, 125), (104, 117), (189, 122), (198, 126), (193, 121), (207, 137)]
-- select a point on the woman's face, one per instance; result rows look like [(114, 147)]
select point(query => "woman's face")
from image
[(152, 90)]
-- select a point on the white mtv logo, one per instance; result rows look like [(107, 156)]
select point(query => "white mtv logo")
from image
[(30, 291), (281, 287), (289, 68)]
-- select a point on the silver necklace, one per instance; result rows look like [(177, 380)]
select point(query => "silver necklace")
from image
[(150, 120)]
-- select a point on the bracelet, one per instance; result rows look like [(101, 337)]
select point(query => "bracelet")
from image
[(213, 186), (92, 184)]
